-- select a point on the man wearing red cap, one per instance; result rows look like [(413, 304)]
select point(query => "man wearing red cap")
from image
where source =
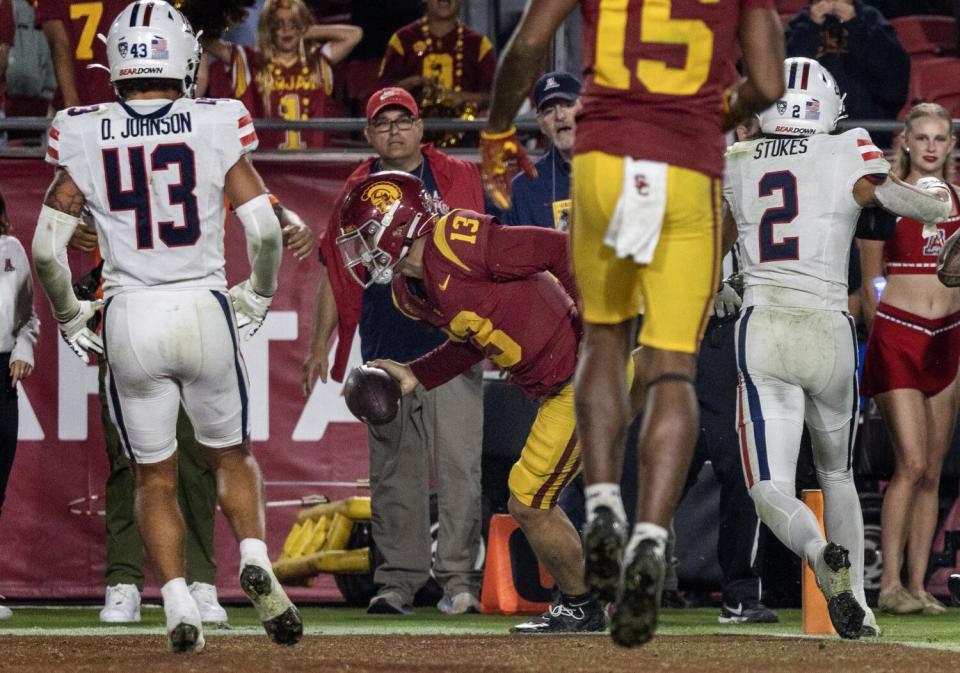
[(443, 426)]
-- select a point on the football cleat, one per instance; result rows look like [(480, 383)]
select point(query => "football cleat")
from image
[(634, 619), (281, 619), (832, 570), (747, 612), (954, 585), (568, 615), (603, 543)]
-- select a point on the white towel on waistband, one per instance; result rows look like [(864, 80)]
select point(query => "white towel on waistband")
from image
[(635, 226)]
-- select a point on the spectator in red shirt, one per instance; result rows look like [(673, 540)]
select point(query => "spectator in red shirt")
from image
[(445, 65), (289, 76), (71, 29)]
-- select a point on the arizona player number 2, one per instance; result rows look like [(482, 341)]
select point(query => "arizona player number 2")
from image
[(772, 250), (138, 197)]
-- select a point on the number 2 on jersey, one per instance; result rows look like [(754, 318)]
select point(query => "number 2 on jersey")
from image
[(138, 197), (789, 248), (656, 26)]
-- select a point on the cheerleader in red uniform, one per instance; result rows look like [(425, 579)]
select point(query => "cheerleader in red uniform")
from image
[(911, 365)]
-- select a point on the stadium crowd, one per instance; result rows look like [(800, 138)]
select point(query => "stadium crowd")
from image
[(295, 60)]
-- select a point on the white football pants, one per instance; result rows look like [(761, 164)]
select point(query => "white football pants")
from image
[(800, 365), (165, 347)]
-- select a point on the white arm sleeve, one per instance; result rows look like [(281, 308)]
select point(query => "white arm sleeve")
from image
[(264, 243), (54, 229), (907, 201)]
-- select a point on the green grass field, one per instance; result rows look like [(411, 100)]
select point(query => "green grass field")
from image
[(942, 632)]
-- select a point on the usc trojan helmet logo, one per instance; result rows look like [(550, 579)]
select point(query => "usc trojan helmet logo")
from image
[(380, 218), (382, 195)]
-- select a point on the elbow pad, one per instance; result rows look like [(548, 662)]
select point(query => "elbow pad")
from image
[(50, 239), (264, 242), (917, 204)]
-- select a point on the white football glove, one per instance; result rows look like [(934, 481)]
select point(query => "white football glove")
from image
[(251, 308), (727, 302), (76, 333)]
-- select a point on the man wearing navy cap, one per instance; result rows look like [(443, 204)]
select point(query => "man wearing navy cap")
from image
[(545, 199)]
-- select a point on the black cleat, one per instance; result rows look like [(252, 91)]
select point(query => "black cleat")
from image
[(954, 585), (567, 616), (833, 577), (603, 543), (634, 618), (281, 619), (747, 612), (186, 638)]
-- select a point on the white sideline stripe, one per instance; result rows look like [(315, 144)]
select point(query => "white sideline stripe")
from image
[(256, 631), (208, 631)]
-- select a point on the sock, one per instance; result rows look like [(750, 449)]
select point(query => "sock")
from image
[(843, 521), (647, 531), (604, 494), (174, 589), (252, 549)]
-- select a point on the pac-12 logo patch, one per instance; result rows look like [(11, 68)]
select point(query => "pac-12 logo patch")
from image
[(781, 106), (123, 48)]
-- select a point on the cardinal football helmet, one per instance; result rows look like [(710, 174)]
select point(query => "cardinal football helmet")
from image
[(811, 103), (151, 38), (380, 219)]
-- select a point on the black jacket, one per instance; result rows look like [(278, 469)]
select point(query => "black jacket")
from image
[(864, 56)]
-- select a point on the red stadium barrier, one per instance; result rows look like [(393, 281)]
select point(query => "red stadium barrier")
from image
[(51, 538)]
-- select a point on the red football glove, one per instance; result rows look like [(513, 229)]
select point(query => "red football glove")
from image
[(497, 150)]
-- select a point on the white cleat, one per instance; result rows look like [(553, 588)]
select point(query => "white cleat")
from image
[(121, 605), (184, 628), (280, 617), (205, 596)]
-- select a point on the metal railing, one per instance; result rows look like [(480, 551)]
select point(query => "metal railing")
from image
[(526, 125)]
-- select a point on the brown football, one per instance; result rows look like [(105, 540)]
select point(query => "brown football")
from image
[(372, 395)]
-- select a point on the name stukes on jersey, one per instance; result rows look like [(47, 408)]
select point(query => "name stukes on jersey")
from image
[(179, 122), (778, 147)]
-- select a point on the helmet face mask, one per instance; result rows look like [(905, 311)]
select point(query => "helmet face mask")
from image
[(152, 39), (811, 104), (380, 219)]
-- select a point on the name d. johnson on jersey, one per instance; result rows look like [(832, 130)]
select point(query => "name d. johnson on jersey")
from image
[(179, 122)]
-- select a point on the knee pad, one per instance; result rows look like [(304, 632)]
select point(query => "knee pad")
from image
[(773, 498)]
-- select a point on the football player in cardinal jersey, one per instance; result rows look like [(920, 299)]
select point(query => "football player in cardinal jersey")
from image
[(154, 168), (796, 194), (659, 89), (500, 292)]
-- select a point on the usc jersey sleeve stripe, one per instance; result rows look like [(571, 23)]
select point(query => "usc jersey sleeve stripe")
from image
[(440, 240)]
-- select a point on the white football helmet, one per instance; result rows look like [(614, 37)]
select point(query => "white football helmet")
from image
[(811, 103), (151, 38)]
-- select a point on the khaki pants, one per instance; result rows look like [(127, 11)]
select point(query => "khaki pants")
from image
[(442, 427)]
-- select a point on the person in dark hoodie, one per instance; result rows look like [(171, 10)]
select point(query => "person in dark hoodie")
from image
[(860, 48)]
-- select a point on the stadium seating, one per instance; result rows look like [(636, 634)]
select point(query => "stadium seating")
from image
[(935, 80), (926, 36)]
